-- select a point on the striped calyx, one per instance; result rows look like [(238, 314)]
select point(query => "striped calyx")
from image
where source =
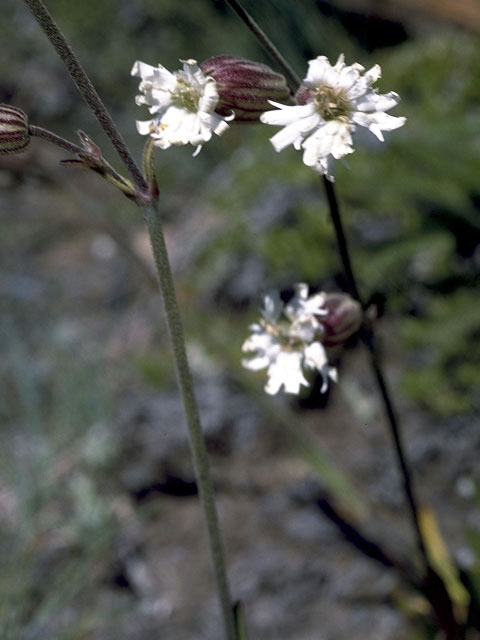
[(14, 133), (344, 318), (245, 88)]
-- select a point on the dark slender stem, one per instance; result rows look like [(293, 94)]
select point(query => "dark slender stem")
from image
[(85, 87), (367, 332), (292, 79), (341, 239), (368, 338), (370, 548)]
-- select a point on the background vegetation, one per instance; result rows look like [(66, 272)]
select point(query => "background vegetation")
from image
[(92, 442)]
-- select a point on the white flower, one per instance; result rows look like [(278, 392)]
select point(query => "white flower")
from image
[(287, 340), (336, 99), (182, 103)]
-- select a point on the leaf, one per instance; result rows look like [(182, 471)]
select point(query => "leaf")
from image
[(442, 562)]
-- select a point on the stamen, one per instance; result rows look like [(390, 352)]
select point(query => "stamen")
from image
[(185, 96), (331, 103)]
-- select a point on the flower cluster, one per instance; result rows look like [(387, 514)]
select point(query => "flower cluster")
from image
[(189, 105), (333, 100), (288, 339)]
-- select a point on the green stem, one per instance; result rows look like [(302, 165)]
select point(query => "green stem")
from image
[(149, 207), (85, 87), (197, 440)]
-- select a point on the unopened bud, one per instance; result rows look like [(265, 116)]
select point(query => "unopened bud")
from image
[(14, 134), (245, 87), (344, 318)]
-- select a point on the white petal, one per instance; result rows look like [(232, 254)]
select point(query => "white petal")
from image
[(377, 102), (287, 136), (304, 328), (297, 303), (190, 66), (286, 114), (327, 372), (272, 306), (316, 304), (315, 356), (321, 72), (333, 374), (333, 138), (348, 78), (144, 127), (209, 99), (142, 69), (357, 89), (302, 303), (264, 344), (220, 125), (286, 371), (256, 363), (295, 133), (211, 122), (373, 74), (378, 122)]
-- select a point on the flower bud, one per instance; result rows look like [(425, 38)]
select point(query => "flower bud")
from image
[(344, 318), (14, 133), (245, 87)]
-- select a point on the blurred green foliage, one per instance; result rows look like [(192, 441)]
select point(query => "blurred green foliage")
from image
[(411, 206)]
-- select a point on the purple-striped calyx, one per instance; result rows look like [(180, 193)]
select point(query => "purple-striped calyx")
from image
[(245, 88), (14, 133)]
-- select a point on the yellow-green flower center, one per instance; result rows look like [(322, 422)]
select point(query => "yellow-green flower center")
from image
[(331, 103), (185, 96)]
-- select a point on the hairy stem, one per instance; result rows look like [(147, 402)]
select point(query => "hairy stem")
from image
[(197, 440), (85, 87), (58, 141), (153, 221), (45, 134)]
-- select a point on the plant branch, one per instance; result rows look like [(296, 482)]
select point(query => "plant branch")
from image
[(58, 141), (341, 239), (437, 594), (100, 165), (197, 439), (85, 87), (367, 332), (149, 207), (370, 548), (368, 337), (292, 79)]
